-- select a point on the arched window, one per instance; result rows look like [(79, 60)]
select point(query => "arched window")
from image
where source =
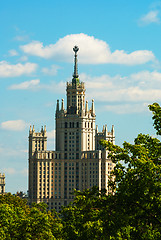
[(66, 124), (77, 124)]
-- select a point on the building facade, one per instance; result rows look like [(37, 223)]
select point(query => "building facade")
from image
[(2, 183), (78, 162)]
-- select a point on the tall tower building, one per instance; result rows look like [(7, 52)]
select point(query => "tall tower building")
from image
[(2, 183), (79, 162)]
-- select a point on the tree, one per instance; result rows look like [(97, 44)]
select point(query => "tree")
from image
[(134, 210), (19, 221), (82, 218), (138, 184)]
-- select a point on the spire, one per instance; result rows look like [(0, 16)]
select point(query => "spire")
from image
[(93, 108), (57, 106), (45, 130), (86, 107), (113, 131), (106, 130), (30, 131), (62, 104), (75, 79), (75, 49)]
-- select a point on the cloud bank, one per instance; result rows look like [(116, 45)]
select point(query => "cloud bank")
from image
[(92, 51), (27, 85), (10, 70), (51, 134), (126, 94), (15, 125), (50, 71), (35, 85), (14, 171), (150, 17)]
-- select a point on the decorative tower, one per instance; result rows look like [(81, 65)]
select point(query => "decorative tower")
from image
[(2, 183), (79, 161), (75, 126), (37, 143), (37, 140)]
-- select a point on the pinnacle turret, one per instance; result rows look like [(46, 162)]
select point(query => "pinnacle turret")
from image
[(75, 79), (62, 104), (112, 130), (93, 108), (30, 131), (86, 107), (57, 106)]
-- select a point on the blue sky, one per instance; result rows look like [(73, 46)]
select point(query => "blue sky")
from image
[(119, 61)]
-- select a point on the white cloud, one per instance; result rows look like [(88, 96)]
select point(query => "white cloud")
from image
[(23, 58), (51, 71), (132, 94), (15, 125), (150, 17), (21, 38), (51, 134), (24, 172), (35, 85), (92, 51), (27, 85), (13, 52), (138, 87), (13, 171), (10, 171), (127, 108), (9, 70), (7, 152), (54, 87), (51, 139), (146, 79)]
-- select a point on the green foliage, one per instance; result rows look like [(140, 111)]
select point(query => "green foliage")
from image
[(138, 184), (82, 218), (18, 221), (134, 210), (156, 110), (138, 188), (131, 212)]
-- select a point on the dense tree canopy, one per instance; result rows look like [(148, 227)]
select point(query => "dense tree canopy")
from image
[(134, 210), (19, 221), (131, 212)]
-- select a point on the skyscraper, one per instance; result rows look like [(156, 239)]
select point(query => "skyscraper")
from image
[(79, 162)]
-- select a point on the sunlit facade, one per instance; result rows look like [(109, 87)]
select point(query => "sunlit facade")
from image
[(78, 162)]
